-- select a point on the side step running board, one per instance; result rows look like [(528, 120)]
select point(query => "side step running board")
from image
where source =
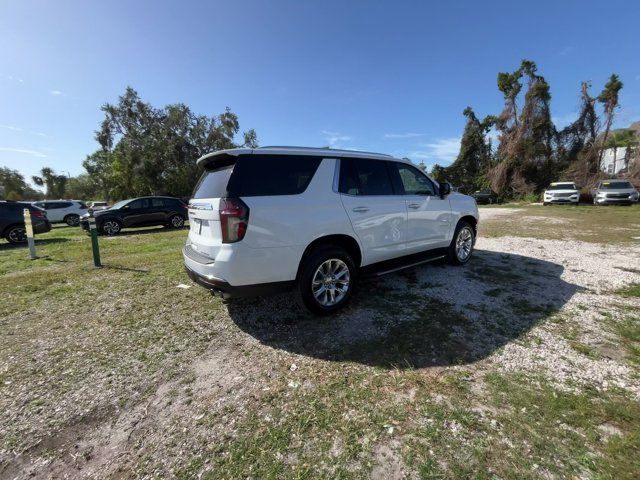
[(409, 265)]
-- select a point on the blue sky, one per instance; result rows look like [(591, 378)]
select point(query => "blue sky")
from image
[(387, 76)]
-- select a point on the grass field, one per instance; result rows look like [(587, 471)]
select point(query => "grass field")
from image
[(522, 364)]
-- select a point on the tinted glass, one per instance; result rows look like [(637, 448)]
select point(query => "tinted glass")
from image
[(213, 183), (266, 175), (413, 181), (157, 203), (138, 204), (361, 176)]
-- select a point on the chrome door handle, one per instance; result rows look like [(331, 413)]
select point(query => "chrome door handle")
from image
[(414, 205), (361, 209)]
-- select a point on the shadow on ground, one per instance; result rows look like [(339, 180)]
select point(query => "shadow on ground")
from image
[(433, 315)]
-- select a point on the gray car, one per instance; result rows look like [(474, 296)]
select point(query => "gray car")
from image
[(615, 192)]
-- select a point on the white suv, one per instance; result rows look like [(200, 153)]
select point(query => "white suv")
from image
[(67, 211), (561, 192), (313, 220)]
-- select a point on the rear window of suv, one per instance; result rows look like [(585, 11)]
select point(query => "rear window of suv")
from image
[(258, 175)]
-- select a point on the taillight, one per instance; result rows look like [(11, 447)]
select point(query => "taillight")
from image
[(234, 219), (37, 214)]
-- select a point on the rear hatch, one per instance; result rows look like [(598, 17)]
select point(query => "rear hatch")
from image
[(205, 234)]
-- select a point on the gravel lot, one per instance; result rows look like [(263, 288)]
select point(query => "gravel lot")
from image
[(513, 366)]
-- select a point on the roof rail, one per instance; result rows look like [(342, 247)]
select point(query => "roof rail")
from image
[(289, 147)]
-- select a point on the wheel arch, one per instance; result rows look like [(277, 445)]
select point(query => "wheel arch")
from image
[(473, 221), (6, 229), (347, 242)]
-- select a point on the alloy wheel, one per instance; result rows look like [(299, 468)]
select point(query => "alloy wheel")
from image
[(177, 221), (464, 243), (111, 227), (17, 235), (330, 282)]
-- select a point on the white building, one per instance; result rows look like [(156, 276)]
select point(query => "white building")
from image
[(607, 164)]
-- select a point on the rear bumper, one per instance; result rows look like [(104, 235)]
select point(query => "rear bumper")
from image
[(225, 290), (41, 227)]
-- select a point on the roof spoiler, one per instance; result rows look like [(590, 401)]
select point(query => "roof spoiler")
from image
[(221, 158)]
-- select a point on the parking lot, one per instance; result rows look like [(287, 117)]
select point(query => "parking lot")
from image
[(524, 363)]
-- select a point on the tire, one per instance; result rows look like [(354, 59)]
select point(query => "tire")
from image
[(461, 247), (16, 234), (326, 266), (110, 227), (72, 220), (176, 221), (544, 204)]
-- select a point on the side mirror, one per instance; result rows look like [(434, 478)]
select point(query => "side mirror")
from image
[(444, 188)]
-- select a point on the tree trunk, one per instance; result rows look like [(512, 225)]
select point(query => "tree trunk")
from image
[(606, 135), (615, 152)]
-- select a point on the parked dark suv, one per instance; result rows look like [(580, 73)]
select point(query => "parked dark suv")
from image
[(485, 196), (12, 221), (139, 212)]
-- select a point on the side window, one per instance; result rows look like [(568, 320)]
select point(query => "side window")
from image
[(157, 203), (361, 176), (135, 205), (268, 175), (413, 181)]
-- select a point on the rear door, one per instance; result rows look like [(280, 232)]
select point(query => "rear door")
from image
[(428, 215), (378, 216), (158, 211)]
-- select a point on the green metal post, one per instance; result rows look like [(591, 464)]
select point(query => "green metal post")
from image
[(94, 240)]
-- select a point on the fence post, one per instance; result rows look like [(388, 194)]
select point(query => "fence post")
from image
[(94, 239), (29, 230)]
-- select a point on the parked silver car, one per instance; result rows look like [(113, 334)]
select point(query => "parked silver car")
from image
[(610, 192)]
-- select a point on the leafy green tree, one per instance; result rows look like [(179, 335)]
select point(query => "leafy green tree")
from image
[(82, 187), (147, 150), (54, 184), (13, 184)]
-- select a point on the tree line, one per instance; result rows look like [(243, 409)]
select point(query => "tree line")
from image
[(143, 150), (531, 151)]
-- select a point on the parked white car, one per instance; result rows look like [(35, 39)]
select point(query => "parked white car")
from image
[(561, 192), (67, 211), (97, 206), (277, 218)]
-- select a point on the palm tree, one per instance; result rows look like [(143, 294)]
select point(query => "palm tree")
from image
[(54, 183), (621, 139), (609, 97)]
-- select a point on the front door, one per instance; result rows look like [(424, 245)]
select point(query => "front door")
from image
[(136, 213), (379, 217), (428, 215)]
